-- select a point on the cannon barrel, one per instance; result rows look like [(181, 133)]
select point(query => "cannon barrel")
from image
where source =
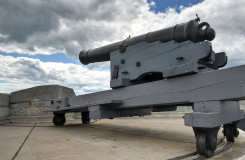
[(191, 30)]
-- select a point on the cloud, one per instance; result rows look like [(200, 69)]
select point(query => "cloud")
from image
[(21, 72), (57, 26), (48, 27)]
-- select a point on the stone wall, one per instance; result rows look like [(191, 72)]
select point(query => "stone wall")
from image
[(32, 110), (47, 92), (242, 105), (4, 108), (179, 113), (32, 104)]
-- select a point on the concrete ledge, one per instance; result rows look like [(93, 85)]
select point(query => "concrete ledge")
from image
[(167, 115), (4, 111), (47, 92), (4, 99), (242, 105), (179, 113), (4, 108), (30, 105), (4, 120), (31, 108), (35, 119)]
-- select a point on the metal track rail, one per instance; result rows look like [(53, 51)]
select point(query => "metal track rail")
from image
[(223, 145)]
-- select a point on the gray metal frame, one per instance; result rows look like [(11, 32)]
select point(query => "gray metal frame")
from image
[(216, 89), (212, 114), (170, 59)]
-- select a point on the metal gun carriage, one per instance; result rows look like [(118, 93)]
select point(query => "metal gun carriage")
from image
[(161, 70)]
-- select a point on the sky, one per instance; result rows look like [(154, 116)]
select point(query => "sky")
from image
[(40, 40)]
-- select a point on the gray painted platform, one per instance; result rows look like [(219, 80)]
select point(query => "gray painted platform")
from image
[(225, 84)]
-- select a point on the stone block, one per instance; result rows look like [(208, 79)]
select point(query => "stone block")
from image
[(18, 112), (172, 114), (242, 108), (41, 118), (30, 119), (4, 99), (4, 105), (37, 112), (242, 103), (4, 111), (20, 105), (39, 104), (32, 108), (47, 92), (184, 109), (4, 120)]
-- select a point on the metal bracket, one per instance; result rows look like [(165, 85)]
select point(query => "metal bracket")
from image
[(241, 124), (99, 112), (115, 72), (212, 114)]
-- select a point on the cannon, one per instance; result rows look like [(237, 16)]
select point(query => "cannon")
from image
[(179, 50), (159, 71), (191, 30)]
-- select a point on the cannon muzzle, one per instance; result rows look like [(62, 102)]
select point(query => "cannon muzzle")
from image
[(191, 30)]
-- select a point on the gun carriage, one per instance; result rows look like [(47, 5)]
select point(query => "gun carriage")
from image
[(161, 70)]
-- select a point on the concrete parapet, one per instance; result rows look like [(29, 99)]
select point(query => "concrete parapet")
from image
[(179, 113), (4, 99), (32, 104), (31, 108), (39, 118), (242, 105), (4, 108), (47, 92), (4, 111)]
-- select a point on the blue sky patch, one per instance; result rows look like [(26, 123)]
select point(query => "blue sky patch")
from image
[(3, 81), (57, 57), (163, 5)]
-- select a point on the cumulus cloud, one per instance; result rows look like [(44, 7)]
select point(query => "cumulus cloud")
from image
[(24, 72), (48, 27), (45, 26)]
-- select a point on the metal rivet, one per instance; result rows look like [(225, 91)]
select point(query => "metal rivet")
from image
[(122, 48)]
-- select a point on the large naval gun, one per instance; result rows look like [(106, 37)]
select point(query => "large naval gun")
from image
[(161, 70), (170, 52)]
